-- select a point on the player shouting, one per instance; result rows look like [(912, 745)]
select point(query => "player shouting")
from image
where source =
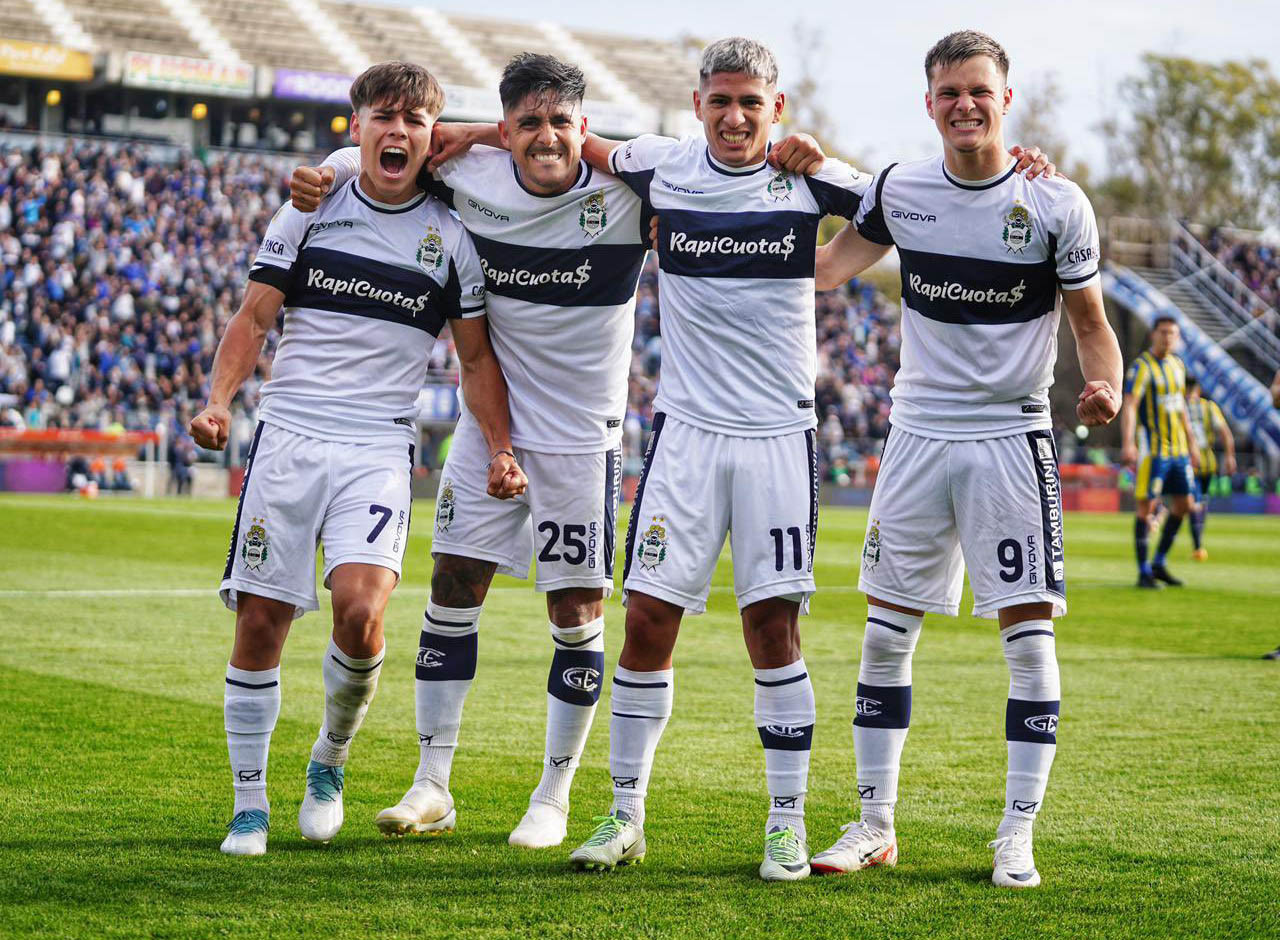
[(366, 285)]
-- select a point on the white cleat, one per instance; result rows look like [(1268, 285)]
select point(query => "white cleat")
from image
[(424, 810), (860, 847), (615, 841), (247, 834), (320, 815), (543, 826), (786, 856), (1014, 866)]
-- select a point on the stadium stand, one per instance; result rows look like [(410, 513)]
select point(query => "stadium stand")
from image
[(18, 20), (388, 33), (1255, 262), (136, 25)]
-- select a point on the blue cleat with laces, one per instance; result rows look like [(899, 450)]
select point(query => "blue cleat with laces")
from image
[(320, 816), (247, 833)]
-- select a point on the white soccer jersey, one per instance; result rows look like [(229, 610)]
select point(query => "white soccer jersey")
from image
[(367, 288), (561, 273), (981, 266), (736, 261)]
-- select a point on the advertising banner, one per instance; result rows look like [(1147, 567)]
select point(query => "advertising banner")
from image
[(40, 61), (179, 73), (312, 86)]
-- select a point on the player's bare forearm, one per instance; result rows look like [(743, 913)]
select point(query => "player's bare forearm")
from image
[(242, 341), (1099, 354), (596, 150), (234, 361), (845, 256), (485, 390)]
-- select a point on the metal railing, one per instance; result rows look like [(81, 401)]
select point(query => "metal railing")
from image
[(1254, 320)]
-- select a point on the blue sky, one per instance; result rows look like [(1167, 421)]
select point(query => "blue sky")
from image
[(871, 69)]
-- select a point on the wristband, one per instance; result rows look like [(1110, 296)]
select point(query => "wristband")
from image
[(495, 454)]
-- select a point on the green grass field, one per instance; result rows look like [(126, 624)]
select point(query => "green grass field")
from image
[(1163, 814)]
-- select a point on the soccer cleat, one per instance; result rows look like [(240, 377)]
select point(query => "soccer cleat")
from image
[(1274, 654), (860, 847), (1013, 866), (424, 810), (1161, 573), (1200, 554), (786, 856), (1148, 581), (543, 826), (615, 841), (320, 815), (247, 833)]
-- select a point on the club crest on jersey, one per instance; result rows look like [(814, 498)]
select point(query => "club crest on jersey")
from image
[(1017, 232), (593, 218), (871, 547), (256, 547), (444, 507), (779, 187), (653, 545), (431, 250)]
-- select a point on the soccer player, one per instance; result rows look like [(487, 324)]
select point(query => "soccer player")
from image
[(732, 450), (1154, 404), (1207, 423), (366, 285), (562, 245), (969, 474)]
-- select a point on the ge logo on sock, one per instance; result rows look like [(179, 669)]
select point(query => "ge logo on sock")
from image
[(582, 678)]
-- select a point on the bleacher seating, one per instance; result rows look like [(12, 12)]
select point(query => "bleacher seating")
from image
[(393, 33), (133, 25), (19, 21), (267, 34)]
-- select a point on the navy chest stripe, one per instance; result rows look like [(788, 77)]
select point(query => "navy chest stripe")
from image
[(325, 279), (976, 290), (778, 245), (590, 276)]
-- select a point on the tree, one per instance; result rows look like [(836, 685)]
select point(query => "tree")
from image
[(1201, 142)]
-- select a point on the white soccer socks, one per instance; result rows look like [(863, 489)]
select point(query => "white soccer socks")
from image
[(1031, 718), (573, 689), (349, 687), (785, 714), (641, 706), (883, 710), (446, 666), (250, 707)]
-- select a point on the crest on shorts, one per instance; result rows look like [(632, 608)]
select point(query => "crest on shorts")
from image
[(653, 545), (780, 186), (256, 546), (431, 250), (444, 507), (1017, 232), (593, 218), (871, 547)]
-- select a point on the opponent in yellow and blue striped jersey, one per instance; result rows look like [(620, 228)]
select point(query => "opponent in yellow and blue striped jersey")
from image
[(1154, 415), (1207, 424)]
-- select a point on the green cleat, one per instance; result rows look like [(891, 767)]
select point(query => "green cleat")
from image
[(615, 841)]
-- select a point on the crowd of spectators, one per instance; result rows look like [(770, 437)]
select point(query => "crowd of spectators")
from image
[(121, 264), (1257, 264)]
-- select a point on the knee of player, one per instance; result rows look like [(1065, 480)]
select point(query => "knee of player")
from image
[(573, 607), (357, 627)]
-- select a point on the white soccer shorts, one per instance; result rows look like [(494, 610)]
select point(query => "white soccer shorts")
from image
[(300, 493), (566, 515), (696, 487), (993, 506)]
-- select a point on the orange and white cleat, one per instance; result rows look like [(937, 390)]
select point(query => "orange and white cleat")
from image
[(860, 847)]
